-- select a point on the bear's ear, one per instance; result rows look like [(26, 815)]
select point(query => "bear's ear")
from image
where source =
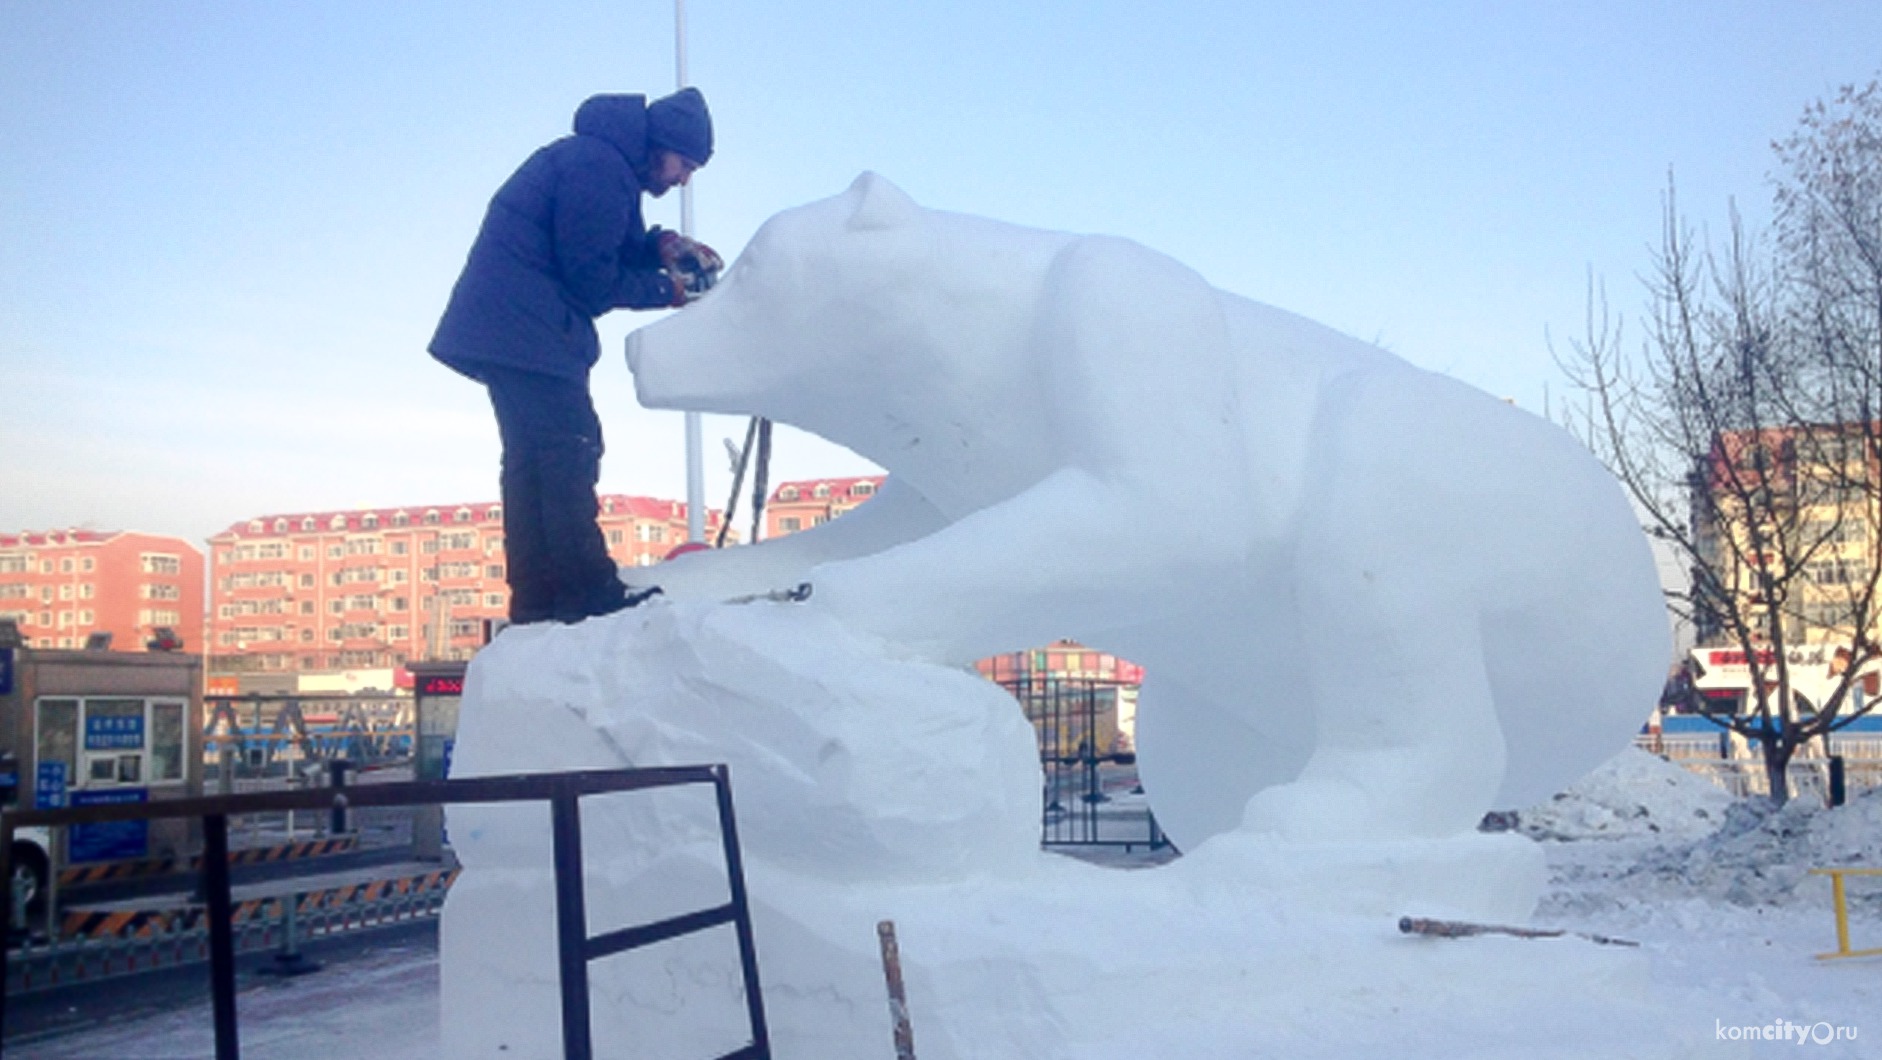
[(879, 204)]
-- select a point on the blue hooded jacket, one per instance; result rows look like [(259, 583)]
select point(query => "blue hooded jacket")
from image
[(562, 243)]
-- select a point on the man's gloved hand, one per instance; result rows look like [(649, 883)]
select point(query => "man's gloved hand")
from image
[(687, 286), (681, 254)]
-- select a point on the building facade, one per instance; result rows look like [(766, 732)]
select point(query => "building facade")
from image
[(1790, 526), (375, 588), (800, 505), (63, 586)]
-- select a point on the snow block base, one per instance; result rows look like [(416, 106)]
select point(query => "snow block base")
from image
[(871, 787)]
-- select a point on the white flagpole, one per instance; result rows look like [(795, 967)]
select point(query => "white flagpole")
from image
[(695, 427)]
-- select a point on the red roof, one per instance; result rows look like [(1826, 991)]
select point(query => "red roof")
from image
[(807, 488), (386, 518), (41, 539)]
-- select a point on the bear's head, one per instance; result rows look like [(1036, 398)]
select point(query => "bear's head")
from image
[(879, 324), (813, 314)]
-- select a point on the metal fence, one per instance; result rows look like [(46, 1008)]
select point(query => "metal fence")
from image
[(265, 742), (1808, 778), (1738, 767), (1092, 796), (576, 949)]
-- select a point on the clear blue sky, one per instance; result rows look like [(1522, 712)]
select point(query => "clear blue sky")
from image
[(227, 228)]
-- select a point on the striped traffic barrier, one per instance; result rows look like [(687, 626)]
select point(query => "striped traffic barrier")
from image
[(140, 868), (170, 938)]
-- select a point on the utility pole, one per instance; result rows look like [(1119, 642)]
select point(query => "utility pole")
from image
[(695, 427)]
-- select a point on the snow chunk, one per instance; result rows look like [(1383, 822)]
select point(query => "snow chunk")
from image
[(1635, 793), (1762, 855)]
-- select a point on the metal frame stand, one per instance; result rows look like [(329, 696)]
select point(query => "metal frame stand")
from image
[(563, 792)]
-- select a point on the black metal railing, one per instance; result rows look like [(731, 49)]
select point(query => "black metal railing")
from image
[(1092, 796), (563, 792)]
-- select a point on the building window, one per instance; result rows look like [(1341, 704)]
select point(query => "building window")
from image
[(493, 514), (369, 522), (308, 525), (462, 515), (788, 493), (495, 571), (401, 519), (431, 517), (862, 489), (88, 590), (161, 563), (336, 551), (65, 565), (280, 526), (493, 599), (822, 490), (254, 526)]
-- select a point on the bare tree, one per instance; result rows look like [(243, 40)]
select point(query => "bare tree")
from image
[(1747, 424)]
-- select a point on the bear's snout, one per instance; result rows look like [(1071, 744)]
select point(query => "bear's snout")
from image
[(633, 352)]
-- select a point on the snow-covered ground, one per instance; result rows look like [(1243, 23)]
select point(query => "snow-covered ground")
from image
[(1716, 892), (1720, 894)]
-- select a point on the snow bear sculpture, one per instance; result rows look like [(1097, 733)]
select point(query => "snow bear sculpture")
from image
[(1371, 601)]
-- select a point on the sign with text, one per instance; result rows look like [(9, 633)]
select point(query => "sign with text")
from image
[(111, 840), (440, 685), (114, 732), (49, 791)]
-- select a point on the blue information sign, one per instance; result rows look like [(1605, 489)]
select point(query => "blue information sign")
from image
[(111, 840), (49, 792), (114, 733)]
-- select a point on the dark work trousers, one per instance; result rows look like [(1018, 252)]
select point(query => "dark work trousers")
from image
[(556, 559)]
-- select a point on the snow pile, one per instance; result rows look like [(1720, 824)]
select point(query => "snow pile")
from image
[(1633, 794), (871, 787), (1762, 855)]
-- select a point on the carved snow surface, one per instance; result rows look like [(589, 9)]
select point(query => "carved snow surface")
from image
[(1372, 603)]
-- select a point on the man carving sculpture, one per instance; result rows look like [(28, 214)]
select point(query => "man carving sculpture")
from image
[(562, 243)]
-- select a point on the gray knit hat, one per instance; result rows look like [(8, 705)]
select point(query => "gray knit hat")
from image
[(681, 123)]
